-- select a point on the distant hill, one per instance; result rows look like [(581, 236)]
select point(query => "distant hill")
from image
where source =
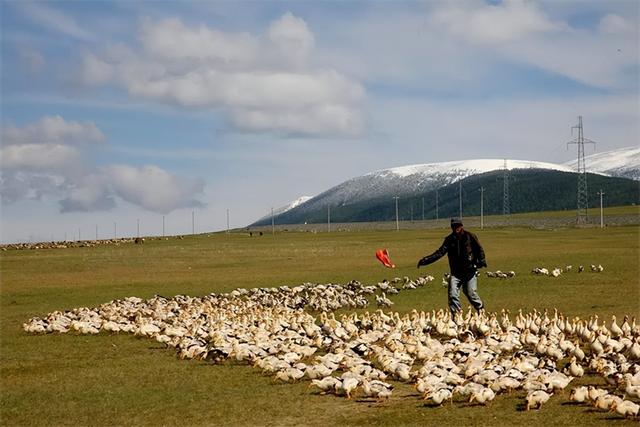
[(531, 190), (624, 162)]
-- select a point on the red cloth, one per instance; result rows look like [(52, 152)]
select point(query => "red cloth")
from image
[(383, 257)]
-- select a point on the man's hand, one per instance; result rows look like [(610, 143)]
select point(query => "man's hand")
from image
[(482, 263)]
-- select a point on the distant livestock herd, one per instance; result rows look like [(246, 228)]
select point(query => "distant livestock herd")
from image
[(543, 271)]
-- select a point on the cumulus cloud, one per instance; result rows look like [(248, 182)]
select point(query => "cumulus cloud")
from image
[(91, 194), (38, 157), (53, 130), (488, 23), (292, 37), (170, 39), (521, 32), (153, 188), (244, 75), (614, 24), (48, 159)]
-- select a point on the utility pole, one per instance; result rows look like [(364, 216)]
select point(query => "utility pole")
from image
[(138, 233), (581, 215), (423, 208), (162, 225), (65, 236), (506, 205), (273, 224), (328, 219), (193, 223), (600, 193), (96, 231), (397, 222), (79, 238), (227, 221), (115, 230), (481, 208)]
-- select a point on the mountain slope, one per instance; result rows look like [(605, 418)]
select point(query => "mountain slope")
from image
[(624, 162), (279, 211), (537, 186), (408, 180), (531, 190)]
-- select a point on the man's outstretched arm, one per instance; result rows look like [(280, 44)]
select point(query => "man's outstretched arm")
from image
[(439, 253)]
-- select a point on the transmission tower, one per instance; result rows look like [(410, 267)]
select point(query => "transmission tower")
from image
[(581, 216), (506, 206)]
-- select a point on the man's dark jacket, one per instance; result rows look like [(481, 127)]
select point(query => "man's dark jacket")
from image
[(465, 254)]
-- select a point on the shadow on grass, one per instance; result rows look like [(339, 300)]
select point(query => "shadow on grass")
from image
[(572, 403), (434, 405), (614, 418)]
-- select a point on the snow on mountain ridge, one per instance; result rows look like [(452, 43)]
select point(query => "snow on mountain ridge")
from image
[(410, 179), (623, 162), (470, 167), (297, 202)]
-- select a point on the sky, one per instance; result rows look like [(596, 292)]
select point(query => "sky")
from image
[(119, 115)]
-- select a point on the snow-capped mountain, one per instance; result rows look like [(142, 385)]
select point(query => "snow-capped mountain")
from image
[(361, 195), (623, 162), (415, 178), (300, 200), (406, 180)]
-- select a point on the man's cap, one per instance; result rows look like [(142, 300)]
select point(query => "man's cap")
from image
[(455, 221)]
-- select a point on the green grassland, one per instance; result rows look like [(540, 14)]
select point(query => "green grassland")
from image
[(123, 380)]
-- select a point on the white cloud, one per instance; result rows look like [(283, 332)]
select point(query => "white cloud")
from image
[(520, 32), (316, 120), (153, 188), (486, 23), (47, 159), (170, 39), (614, 24), (55, 20), (91, 194), (53, 130), (292, 38), (38, 157), (244, 75), (96, 71)]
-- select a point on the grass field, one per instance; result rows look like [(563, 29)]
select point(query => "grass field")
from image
[(123, 380)]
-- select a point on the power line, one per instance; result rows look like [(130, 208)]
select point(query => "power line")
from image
[(581, 213)]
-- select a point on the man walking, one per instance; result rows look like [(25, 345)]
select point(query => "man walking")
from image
[(465, 257)]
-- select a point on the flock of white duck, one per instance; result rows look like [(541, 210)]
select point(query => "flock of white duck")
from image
[(475, 358)]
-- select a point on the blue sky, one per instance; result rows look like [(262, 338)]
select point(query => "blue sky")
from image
[(114, 112)]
